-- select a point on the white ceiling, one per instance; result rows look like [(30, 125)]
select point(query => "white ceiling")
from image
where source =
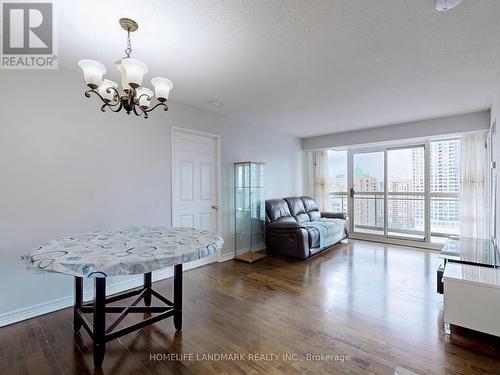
[(302, 67)]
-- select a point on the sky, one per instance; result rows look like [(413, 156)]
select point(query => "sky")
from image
[(399, 163)]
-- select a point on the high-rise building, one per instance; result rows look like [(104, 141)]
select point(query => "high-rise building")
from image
[(418, 186), (401, 209), (445, 181), (369, 209)]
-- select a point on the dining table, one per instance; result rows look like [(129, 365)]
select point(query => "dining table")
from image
[(137, 250)]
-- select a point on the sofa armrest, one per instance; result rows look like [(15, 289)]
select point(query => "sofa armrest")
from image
[(289, 242), (282, 225), (334, 215)]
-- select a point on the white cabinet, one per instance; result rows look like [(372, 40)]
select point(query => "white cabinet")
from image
[(472, 297)]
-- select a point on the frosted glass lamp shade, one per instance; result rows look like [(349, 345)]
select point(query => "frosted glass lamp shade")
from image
[(144, 96), (106, 83), (162, 88), (132, 71), (92, 71)]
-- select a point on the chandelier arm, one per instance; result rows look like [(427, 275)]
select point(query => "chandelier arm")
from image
[(140, 96), (142, 113), (103, 107), (108, 90), (159, 104), (87, 94), (135, 111)]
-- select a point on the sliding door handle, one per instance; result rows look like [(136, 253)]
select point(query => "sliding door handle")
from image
[(352, 192)]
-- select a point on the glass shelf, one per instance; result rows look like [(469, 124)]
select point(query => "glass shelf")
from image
[(249, 186)]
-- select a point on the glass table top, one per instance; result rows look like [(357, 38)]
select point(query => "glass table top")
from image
[(471, 251)]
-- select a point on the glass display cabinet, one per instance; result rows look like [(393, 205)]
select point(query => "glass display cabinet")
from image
[(249, 207)]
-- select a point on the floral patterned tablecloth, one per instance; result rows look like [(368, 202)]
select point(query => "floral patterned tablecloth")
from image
[(129, 251)]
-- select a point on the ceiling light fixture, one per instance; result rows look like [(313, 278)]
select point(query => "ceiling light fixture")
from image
[(135, 98), (214, 102), (444, 5)]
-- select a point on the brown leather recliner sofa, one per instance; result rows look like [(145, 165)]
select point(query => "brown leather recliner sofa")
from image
[(286, 233)]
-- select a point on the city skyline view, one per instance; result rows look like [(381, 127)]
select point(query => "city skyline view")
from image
[(338, 165)]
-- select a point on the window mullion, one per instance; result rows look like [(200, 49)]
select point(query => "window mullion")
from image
[(427, 192)]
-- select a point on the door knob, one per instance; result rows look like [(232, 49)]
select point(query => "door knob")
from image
[(215, 206)]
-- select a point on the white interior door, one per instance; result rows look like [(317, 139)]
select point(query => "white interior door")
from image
[(195, 180)]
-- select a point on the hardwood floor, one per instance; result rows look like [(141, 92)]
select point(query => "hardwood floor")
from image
[(371, 302)]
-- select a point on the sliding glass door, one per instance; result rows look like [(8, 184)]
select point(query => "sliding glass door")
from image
[(405, 195), (388, 192), (367, 192), (410, 192)]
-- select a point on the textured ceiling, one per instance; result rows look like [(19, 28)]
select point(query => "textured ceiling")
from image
[(302, 67)]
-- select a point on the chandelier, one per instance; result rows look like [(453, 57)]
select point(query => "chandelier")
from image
[(134, 98)]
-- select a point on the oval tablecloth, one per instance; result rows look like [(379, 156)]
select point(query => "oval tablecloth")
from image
[(129, 251)]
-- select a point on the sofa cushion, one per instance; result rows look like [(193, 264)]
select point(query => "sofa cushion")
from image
[(276, 208), (334, 215), (283, 223), (330, 231), (313, 237), (311, 208), (297, 209)]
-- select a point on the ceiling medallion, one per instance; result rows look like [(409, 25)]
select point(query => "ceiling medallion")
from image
[(134, 98)]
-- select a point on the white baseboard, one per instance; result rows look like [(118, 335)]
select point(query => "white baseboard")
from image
[(29, 312), (226, 257), (135, 281)]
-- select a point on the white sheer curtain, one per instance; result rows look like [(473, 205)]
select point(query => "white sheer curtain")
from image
[(321, 179), (473, 181)]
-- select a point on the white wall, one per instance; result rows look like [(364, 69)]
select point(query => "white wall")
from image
[(66, 168), (427, 128)]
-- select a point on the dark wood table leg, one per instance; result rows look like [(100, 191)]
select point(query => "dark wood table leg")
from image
[(99, 320), (147, 284), (178, 297), (77, 324)]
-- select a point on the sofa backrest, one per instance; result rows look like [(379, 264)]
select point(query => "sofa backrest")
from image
[(300, 209), (276, 209), (311, 208), (297, 209)]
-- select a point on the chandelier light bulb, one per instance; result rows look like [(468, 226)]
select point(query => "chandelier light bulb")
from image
[(132, 71), (92, 72), (162, 87)]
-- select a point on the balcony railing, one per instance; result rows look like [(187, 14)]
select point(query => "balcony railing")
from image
[(338, 202), (369, 217), (445, 214)]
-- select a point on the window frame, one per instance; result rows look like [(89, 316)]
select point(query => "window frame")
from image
[(428, 195)]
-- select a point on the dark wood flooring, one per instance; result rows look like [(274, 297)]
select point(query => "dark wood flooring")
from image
[(374, 303)]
